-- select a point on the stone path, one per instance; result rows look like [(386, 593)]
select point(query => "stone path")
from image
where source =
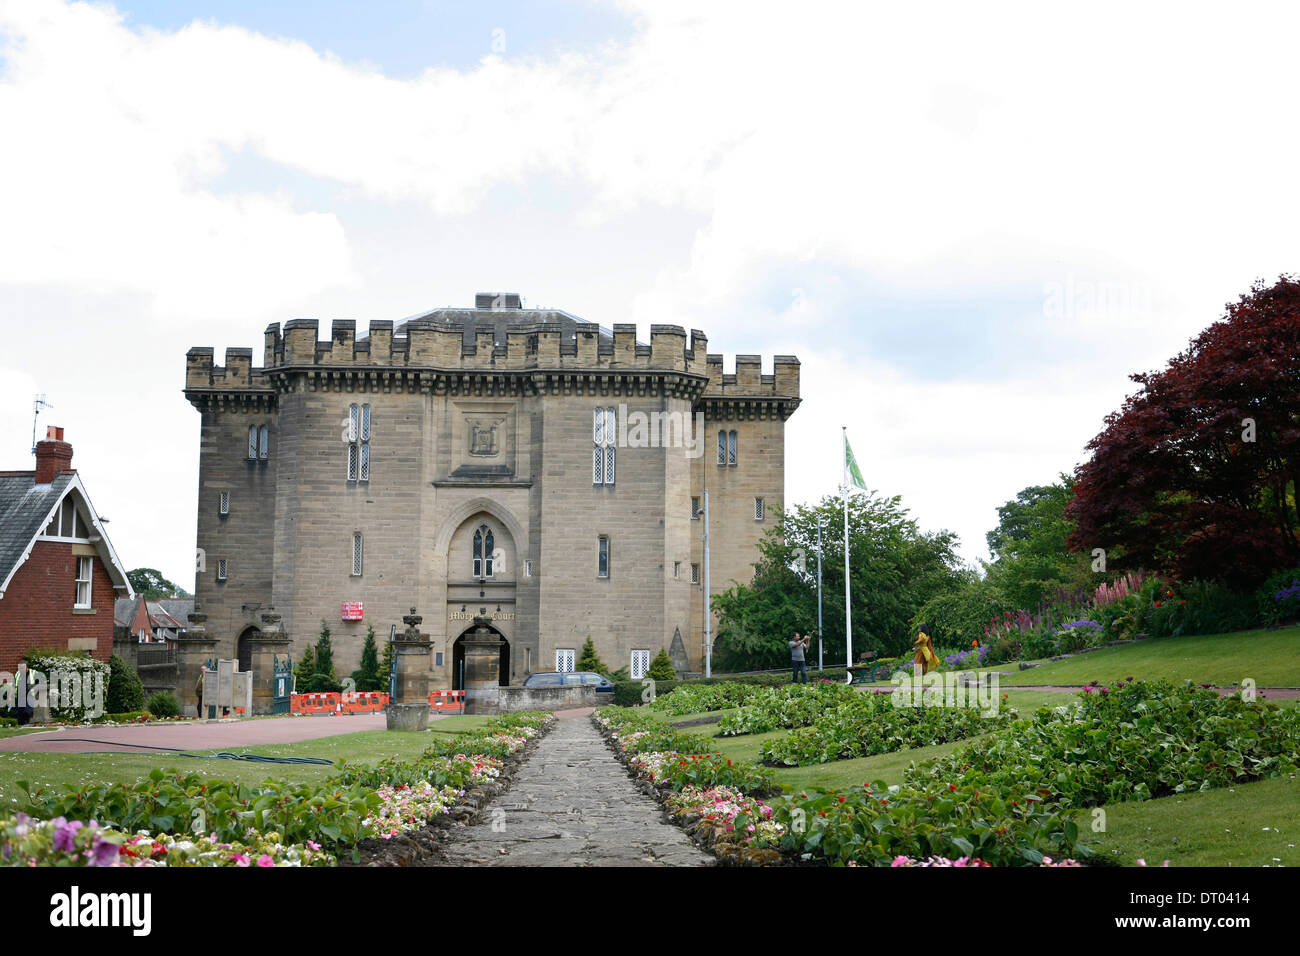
[(573, 804)]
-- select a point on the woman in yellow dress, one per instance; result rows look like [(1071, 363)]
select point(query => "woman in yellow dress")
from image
[(924, 655)]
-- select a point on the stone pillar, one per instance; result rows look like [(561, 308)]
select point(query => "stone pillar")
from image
[(482, 668), (271, 641), (193, 651), (409, 710)]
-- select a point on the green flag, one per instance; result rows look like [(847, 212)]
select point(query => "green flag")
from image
[(851, 465)]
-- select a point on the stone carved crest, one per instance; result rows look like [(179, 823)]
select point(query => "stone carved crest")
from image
[(483, 439)]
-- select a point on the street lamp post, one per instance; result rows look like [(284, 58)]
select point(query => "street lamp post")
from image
[(820, 663)]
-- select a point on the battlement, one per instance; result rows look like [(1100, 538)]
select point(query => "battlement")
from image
[(488, 339)]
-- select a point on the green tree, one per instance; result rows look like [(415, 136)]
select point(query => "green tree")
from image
[(386, 665), (955, 618), (589, 660), (325, 679), (152, 586), (125, 691), (661, 668), (305, 670), (895, 569), (1031, 562), (368, 676)]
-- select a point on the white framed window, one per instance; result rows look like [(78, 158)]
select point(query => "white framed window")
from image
[(602, 557), (356, 554), (85, 567), (223, 503), (677, 569), (722, 448), (264, 442), (731, 449), (565, 659), (528, 567), (640, 664), (358, 442), (221, 569), (484, 546), (695, 508), (604, 438), (695, 574), (252, 441), (758, 509)]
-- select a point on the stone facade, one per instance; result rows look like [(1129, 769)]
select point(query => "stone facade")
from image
[(481, 421)]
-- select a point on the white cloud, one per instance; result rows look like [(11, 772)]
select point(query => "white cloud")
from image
[(928, 149)]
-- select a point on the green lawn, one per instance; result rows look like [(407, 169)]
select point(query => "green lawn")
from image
[(714, 715), (1270, 658), (369, 746), (1254, 824)]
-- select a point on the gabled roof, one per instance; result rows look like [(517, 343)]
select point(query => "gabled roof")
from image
[(179, 608), (26, 508)]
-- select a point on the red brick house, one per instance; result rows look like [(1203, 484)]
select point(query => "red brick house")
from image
[(59, 574)]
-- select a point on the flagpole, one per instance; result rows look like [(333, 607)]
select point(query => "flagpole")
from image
[(848, 598)]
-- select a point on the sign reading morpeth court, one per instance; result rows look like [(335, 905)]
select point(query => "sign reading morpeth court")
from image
[(521, 465)]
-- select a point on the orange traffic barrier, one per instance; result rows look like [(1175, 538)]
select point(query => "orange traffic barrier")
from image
[(314, 703), (442, 700), (364, 702)]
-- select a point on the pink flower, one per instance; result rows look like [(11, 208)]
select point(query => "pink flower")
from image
[(241, 859), (265, 860)]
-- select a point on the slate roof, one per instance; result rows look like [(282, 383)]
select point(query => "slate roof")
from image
[(124, 611), (179, 608), (24, 511)]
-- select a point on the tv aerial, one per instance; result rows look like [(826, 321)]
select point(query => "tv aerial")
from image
[(39, 403)]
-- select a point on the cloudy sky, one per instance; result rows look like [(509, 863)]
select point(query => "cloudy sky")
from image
[(970, 222)]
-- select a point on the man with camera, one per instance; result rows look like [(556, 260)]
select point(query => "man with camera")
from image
[(797, 647)]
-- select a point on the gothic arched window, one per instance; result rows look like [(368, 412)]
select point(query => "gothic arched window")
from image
[(484, 545)]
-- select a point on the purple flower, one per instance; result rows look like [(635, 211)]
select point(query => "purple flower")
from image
[(103, 853), (65, 835)]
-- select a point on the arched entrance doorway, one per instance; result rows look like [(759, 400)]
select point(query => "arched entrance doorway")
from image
[(458, 660), (244, 648)]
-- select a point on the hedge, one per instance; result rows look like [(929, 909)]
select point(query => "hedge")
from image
[(628, 693)]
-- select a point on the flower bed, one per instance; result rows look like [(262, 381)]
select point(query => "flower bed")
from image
[(61, 842), (795, 705), (1133, 740), (872, 826), (361, 808), (871, 724)]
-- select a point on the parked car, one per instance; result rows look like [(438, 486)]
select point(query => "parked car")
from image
[(604, 686)]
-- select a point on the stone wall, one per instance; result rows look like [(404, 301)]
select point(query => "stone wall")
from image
[(545, 698)]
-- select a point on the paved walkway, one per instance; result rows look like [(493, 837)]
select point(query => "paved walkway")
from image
[(573, 804), (194, 735)]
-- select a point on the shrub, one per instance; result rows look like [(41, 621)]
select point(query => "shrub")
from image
[(125, 692), (81, 688), (589, 660), (162, 704), (368, 676), (661, 668), (323, 677)]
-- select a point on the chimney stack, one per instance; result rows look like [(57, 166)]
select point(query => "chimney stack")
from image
[(53, 456)]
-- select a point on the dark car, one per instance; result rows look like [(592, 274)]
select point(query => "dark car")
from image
[(603, 685)]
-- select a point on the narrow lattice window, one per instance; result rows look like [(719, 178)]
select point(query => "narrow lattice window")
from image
[(758, 509), (731, 448), (356, 554), (223, 505), (604, 437)]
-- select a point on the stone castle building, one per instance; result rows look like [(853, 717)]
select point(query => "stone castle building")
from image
[(519, 464)]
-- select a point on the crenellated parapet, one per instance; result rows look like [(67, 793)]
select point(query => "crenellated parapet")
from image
[(494, 351)]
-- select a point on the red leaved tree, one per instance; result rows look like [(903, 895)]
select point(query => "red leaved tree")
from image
[(1196, 474)]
